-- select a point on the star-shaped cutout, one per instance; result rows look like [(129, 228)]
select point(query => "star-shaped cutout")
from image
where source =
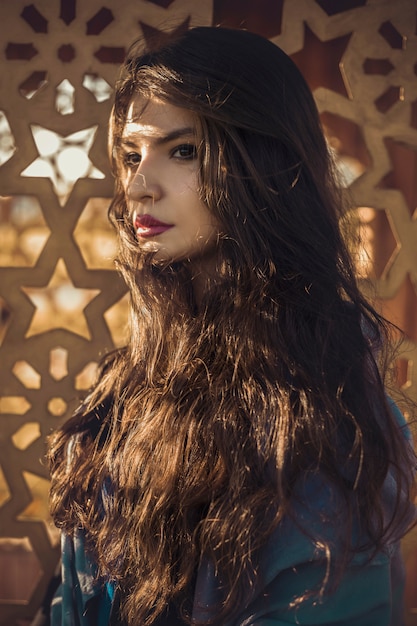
[(63, 159), (403, 173), (37, 509), (59, 304), (320, 62), (156, 38)]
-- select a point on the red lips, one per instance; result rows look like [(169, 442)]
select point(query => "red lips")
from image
[(148, 226)]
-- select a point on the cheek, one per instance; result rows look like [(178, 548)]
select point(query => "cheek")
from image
[(207, 230)]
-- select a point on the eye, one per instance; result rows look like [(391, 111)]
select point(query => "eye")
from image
[(186, 151), (131, 159)]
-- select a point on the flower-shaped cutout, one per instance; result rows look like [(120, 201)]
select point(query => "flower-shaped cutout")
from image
[(33, 84), (99, 21), (395, 92), (85, 379), (392, 36), (26, 435), (378, 66), (35, 19), (58, 363), (27, 375), (390, 97), (30, 378), (67, 14), (66, 52), (64, 101), (20, 51), (14, 405), (57, 407), (63, 159)]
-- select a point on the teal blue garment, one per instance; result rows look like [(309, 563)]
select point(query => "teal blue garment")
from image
[(369, 594), (80, 600)]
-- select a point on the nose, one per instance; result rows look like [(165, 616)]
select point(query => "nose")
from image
[(144, 185)]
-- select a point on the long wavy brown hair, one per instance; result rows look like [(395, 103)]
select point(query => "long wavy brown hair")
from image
[(202, 426)]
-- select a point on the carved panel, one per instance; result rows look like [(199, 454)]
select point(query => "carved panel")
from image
[(62, 304)]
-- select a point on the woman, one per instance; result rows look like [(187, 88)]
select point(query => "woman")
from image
[(238, 462)]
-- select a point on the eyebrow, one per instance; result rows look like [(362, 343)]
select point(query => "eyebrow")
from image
[(160, 139)]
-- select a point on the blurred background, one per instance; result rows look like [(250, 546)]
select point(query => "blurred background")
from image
[(62, 305)]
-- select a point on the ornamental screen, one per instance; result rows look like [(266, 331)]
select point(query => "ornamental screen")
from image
[(62, 304)]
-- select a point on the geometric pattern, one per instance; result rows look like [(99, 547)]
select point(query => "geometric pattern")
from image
[(62, 304)]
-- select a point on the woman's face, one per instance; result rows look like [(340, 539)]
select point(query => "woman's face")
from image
[(160, 179)]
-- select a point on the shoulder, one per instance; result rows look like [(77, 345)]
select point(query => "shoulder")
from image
[(295, 574), (363, 597), (299, 557)]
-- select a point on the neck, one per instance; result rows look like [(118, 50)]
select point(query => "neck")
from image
[(203, 275)]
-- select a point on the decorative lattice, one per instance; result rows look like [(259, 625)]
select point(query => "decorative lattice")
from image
[(61, 302)]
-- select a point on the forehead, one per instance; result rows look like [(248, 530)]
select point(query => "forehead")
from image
[(153, 118)]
